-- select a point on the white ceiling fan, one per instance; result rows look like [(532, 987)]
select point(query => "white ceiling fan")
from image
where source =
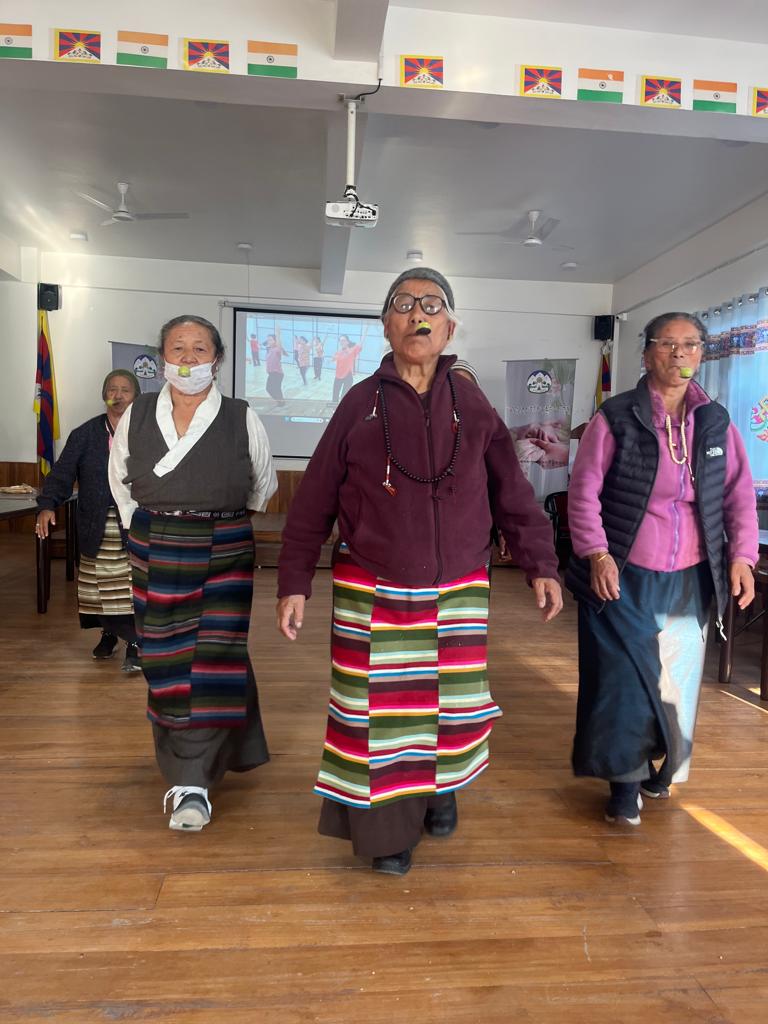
[(120, 214), (531, 231)]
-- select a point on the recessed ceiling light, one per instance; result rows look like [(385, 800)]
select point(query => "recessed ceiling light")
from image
[(414, 256), (569, 265), (245, 246), (78, 236)]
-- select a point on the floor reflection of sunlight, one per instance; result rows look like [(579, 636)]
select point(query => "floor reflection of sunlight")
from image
[(749, 703), (720, 827)]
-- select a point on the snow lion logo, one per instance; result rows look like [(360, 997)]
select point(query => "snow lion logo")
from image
[(145, 367), (539, 382)]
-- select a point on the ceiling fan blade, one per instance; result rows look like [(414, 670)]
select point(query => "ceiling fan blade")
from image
[(107, 223), (561, 248), (161, 216), (547, 227), (96, 202)]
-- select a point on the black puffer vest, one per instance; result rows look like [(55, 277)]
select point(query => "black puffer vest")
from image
[(630, 479)]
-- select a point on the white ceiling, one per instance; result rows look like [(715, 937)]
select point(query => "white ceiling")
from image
[(739, 19), (257, 174)]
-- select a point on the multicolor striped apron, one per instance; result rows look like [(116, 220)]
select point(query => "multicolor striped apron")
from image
[(192, 589), (410, 709)]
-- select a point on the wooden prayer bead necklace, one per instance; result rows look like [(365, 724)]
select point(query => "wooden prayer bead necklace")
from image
[(685, 461)]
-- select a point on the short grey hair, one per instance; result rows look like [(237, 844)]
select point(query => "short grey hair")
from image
[(654, 326), (190, 318)]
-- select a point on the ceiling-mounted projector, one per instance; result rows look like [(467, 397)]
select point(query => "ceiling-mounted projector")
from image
[(349, 212)]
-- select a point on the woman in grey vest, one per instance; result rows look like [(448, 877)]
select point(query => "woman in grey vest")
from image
[(662, 514), (187, 465)]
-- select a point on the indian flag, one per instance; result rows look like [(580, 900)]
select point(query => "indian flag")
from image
[(719, 96), (274, 60), (142, 49), (596, 86), (16, 42)]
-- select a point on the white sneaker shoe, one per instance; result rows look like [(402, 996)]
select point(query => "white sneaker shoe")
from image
[(191, 808)]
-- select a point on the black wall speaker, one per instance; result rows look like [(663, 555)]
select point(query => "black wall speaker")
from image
[(48, 297), (603, 328)]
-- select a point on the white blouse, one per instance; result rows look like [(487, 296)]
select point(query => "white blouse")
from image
[(263, 477)]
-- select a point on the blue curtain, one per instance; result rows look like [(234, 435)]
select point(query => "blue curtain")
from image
[(734, 371)]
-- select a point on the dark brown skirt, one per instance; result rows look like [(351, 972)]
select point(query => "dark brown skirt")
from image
[(379, 831)]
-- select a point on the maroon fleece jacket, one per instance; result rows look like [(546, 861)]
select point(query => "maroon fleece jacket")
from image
[(426, 533)]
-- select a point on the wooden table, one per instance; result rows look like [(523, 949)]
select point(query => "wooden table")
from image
[(14, 506), (729, 626)]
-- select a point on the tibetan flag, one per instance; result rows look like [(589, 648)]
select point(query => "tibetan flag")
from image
[(597, 86), (661, 92), (76, 47), (16, 42), (421, 72), (142, 49), (720, 96), (207, 55), (543, 83), (273, 60), (603, 389), (760, 102), (45, 405)]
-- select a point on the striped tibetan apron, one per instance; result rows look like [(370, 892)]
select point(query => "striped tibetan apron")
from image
[(104, 582), (192, 589), (410, 709)]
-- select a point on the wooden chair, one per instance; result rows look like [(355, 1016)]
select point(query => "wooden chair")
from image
[(732, 630), (556, 507)]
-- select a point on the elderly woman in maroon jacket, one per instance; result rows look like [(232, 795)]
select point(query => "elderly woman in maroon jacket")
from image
[(416, 466)]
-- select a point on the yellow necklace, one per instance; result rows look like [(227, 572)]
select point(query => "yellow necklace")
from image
[(685, 461)]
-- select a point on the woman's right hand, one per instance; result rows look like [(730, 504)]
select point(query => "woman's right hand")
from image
[(45, 519), (290, 615), (605, 576)]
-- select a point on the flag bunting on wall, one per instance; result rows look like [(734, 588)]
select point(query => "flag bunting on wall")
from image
[(142, 50), (77, 47), (206, 55), (16, 42), (418, 72), (273, 60)]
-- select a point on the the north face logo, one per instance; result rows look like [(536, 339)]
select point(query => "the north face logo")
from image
[(711, 453)]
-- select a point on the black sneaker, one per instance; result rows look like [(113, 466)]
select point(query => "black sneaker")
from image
[(442, 821), (625, 804), (131, 661), (393, 863), (654, 789), (105, 648)]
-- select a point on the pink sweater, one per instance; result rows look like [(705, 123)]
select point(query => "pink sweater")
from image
[(670, 535)]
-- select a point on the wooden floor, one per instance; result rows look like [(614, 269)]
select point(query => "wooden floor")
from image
[(535, 910)]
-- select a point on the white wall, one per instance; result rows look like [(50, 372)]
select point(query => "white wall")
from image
[(128, 299)]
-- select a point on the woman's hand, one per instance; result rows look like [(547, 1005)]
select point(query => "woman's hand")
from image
[(742, 583), (549, 597), (605, 576), (45, 519), (290, 614)]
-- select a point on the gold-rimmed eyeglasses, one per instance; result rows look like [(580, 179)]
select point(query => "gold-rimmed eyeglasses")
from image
[(687, 345)]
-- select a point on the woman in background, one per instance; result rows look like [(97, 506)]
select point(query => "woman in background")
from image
[(104, 572), (274, 365)]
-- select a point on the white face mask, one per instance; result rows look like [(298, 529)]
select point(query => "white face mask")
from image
[(199, 378)]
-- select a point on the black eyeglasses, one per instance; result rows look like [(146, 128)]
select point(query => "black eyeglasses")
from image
[(403, 302)]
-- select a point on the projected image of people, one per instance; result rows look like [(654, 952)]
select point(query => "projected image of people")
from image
[(293, 369)]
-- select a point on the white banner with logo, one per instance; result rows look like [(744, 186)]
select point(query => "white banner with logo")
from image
[(141, 360), (538, 408)]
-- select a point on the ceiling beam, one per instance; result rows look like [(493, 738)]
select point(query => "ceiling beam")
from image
[(335, 245), (359, 29)]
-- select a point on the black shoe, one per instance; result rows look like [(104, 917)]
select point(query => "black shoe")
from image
[(442, 821), (625, 804), (652, 787), (393, 863), (131, 661), (105, 648)]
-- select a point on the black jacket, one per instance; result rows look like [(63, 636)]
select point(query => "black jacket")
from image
[(84, 459), (630, 478)]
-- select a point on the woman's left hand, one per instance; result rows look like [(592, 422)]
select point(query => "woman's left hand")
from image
[(742, 583), (549, 597)]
